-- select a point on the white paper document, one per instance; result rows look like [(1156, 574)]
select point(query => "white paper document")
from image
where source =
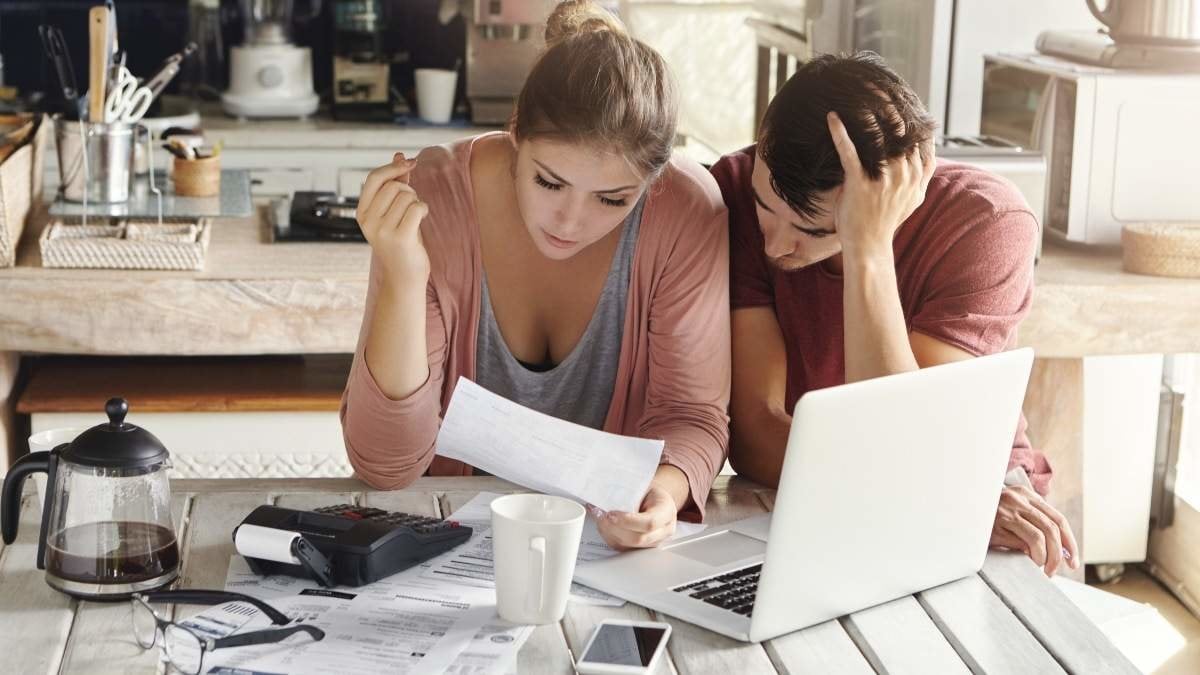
[(415, 631), (471, 563), (221, 620), (492, 649), (544, 453)]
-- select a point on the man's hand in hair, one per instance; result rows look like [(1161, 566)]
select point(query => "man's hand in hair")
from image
[(868, 212)]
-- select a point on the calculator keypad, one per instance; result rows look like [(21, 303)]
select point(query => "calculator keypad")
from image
[(418, 523)]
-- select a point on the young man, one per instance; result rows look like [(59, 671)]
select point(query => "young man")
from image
[(855, 255)]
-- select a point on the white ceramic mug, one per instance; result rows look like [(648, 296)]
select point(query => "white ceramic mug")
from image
[(45, 441), (535, 540), (435, 93)]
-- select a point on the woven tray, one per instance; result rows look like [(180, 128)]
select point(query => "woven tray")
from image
[(1161, 249), (127, 244)]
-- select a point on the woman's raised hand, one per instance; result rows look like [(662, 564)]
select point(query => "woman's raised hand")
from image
[(390, 214)]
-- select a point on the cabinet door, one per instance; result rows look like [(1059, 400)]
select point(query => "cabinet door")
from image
[(279, 182), (350, 181)]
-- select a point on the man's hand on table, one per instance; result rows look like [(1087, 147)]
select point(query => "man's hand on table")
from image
[(1025, 522)]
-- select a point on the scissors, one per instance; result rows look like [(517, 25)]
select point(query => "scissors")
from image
[(60, 56), (128, 101)]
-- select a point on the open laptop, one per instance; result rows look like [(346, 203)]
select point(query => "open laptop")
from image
[(889, 486)]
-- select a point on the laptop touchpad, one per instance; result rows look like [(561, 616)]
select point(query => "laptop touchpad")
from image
[(720, 549)]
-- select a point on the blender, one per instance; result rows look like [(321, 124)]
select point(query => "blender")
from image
[(269, 76)]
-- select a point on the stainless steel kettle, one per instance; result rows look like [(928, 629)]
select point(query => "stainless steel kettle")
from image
[(1156, 22)]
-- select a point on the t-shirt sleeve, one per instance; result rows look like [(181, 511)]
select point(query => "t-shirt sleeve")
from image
[(749, 276), (981, 289)]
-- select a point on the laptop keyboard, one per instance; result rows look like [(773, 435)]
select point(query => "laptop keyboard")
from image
[(734, 591)]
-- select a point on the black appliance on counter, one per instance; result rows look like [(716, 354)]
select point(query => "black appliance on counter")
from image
[(315, 216), (372, 39), (362, 74)]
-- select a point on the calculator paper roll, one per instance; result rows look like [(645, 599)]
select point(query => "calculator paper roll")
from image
[(266, 543)]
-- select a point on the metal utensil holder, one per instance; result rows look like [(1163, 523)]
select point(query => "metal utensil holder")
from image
[(114, 175)]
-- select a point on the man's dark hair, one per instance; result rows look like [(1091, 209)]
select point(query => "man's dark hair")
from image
[(881, 113)]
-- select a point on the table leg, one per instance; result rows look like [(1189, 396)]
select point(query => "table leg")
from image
[(11, 443)]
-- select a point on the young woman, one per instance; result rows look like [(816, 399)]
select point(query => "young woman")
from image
[(568, 264)]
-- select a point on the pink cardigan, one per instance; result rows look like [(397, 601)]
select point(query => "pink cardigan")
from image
[(672, 379)]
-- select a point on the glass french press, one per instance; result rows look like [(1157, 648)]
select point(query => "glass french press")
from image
[(106, 522)]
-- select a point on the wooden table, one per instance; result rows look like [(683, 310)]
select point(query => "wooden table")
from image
[(1007, 619)]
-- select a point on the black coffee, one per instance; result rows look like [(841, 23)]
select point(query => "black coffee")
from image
[(112, 552)]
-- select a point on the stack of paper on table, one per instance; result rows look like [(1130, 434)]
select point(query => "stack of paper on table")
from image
[(401, 624)]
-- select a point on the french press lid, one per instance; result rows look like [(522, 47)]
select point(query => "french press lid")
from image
[(115, 444)]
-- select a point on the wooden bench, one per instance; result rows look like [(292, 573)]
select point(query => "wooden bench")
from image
[(220, 417)]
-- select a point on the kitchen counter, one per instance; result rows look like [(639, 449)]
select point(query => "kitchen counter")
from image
[(253, 297), (322, 131), (256, 297), (1085, 305)]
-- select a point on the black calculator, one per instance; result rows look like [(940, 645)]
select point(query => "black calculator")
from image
[(354, 545)]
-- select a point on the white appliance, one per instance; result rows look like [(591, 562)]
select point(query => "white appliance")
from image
[(1170, 22), (865, 513), (1100, 49), (1023, 166), (1120, 145), (268, 75), (937, 46)]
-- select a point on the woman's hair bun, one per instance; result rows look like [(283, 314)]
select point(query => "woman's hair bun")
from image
[(574, 17)]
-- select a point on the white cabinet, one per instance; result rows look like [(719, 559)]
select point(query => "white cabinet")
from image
[(350, 181), (279, 171), (1120, 427), (279, 182)]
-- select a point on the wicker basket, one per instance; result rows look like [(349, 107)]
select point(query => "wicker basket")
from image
[(127, 244), (1162, 249), (20, 189)]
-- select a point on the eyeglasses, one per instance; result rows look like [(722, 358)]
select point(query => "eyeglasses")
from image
[(185, 648)]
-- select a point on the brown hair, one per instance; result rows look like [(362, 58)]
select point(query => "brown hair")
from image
[(596, 85), (883, 116)]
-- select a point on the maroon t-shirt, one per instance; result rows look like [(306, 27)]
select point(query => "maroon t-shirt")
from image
[(964, 269)]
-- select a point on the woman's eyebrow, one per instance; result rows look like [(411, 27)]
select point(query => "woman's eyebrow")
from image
[(564, 181)]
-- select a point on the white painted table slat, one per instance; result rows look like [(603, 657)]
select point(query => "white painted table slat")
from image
[(823, 648), (36, 619), (1052, 618), (899, 638), (1007, 619), (985, 632)]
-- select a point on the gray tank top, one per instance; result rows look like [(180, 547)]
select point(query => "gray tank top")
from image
[(580, 388)]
